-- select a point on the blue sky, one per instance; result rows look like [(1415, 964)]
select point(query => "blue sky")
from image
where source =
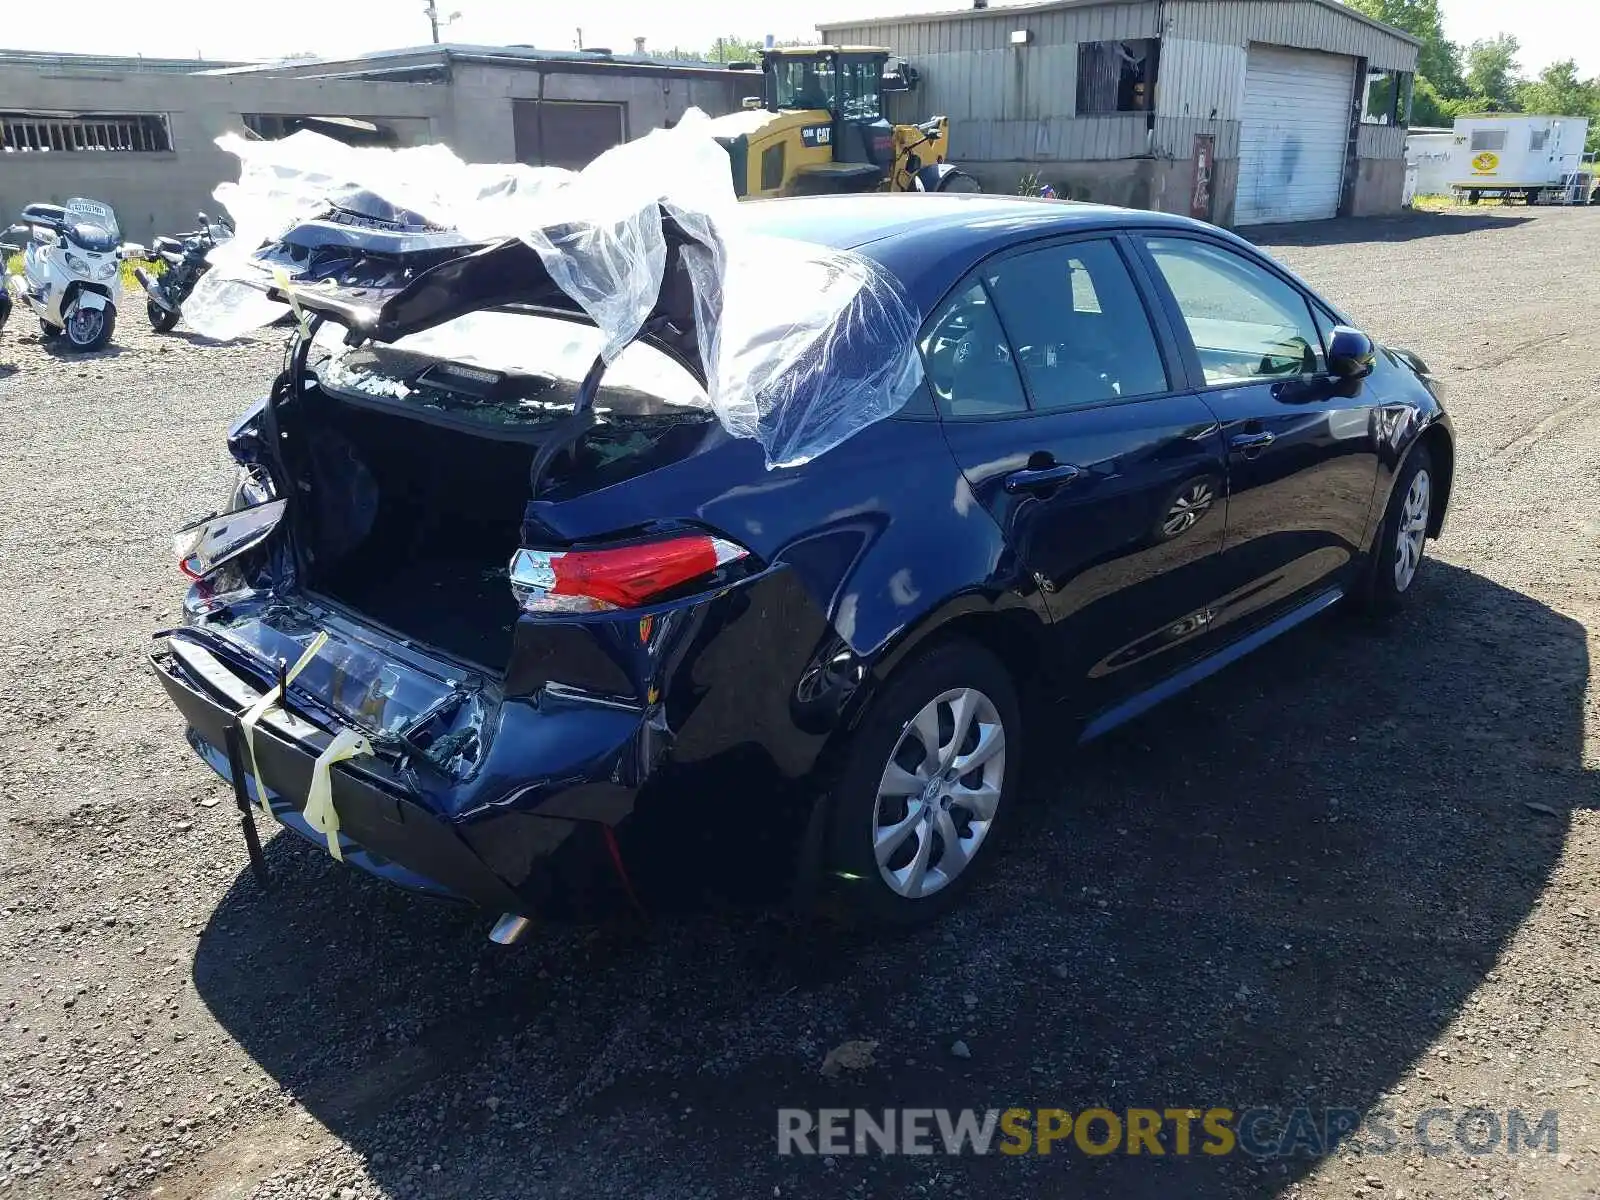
[(1548, 29)]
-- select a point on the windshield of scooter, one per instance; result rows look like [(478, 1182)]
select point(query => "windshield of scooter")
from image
[(91, 224)]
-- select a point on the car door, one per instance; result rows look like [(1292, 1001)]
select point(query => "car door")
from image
[(1301, 444), (1060, 400)]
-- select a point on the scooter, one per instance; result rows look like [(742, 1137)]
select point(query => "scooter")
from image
[(71, 271), (185, 258)]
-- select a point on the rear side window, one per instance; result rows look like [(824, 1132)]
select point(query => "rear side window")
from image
[(1077, 326), (1245, 322), (967, 360)]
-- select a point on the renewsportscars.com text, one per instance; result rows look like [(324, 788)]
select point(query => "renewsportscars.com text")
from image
[(1259, 1132)]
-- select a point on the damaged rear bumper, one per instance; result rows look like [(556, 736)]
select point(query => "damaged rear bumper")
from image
[(497, 841)]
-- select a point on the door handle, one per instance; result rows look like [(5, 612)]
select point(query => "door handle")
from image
[(1038, 479), (1249, 443)]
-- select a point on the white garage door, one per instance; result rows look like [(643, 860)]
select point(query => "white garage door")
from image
[(1294, 132)]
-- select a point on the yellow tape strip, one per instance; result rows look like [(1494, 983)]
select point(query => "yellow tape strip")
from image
[(320, 813), (269, 700), (301, 317)]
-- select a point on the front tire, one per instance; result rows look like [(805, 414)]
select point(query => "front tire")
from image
[(1397, 554), (960, 182), (930, 777), (89, 329), (161, 320)]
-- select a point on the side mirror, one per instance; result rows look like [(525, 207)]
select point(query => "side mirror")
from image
[(20, 229), (1351, 354)]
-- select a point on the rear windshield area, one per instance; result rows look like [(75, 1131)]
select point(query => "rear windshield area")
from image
[(507, 370)]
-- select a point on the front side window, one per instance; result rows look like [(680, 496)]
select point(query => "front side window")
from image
[(862, 90), (968, 361), (806, 83), (1077, 325), (1245, 322)]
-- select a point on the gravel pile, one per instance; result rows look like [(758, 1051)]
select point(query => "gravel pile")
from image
[(1360, 870)]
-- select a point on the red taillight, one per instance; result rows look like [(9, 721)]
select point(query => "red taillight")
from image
[(617, 577)]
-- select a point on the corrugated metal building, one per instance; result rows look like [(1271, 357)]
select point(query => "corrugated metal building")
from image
[(1241, 111)]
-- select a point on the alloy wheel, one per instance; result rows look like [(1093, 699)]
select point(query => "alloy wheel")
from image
[(939, 792), (84, 325), (1191, 504), (1413, 531)]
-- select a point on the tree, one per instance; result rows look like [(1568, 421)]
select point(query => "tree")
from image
[(725, 49), (1438, 58), (1559, 92), (1492, 70)]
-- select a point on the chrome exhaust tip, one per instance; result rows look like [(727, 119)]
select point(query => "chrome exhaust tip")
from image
[(508, 930)]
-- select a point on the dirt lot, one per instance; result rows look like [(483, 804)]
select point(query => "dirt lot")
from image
[(1358, 871)]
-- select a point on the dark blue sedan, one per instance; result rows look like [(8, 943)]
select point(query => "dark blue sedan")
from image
[(502, 625)]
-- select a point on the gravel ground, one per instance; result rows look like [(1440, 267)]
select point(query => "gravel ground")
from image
[(1359, 870)]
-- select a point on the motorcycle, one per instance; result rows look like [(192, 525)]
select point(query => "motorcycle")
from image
[(185, 258), (71, 270)]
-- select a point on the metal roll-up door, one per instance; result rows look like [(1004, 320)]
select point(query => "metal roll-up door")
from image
[(565, 133), (1294, 134)]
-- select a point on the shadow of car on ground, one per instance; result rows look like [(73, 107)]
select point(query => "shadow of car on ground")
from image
[(1276, 890)]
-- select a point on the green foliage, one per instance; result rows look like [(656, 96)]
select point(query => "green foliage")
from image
[(1452, 82), (724, 49), (1428, 107), (1030, 184), (1492, 69), (1438, 58)]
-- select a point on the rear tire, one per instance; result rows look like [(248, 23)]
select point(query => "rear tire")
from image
[(161, 319), (1397, 552), (908, 835)]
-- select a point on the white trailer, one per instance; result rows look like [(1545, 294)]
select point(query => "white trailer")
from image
[(1539, 159)]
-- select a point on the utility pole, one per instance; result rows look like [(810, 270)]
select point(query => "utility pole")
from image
[(431, 9)]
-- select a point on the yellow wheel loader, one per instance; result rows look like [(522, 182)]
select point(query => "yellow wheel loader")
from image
[(820, 127)]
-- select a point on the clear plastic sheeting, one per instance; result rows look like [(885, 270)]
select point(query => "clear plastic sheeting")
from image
[(803, 345)]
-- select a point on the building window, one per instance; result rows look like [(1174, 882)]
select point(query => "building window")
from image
[(23, 132), (1538, 139), (1116, 77), (352, 131), (1388, 98), (1488, 139)]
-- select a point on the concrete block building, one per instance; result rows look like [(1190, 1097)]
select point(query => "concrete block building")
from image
[(141, 137)]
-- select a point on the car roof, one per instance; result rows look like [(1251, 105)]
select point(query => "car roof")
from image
[(930, 240)]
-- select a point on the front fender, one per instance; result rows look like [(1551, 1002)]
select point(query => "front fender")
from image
[(87, 296), (1401, 429)]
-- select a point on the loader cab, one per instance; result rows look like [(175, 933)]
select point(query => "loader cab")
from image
[(845, 87)]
